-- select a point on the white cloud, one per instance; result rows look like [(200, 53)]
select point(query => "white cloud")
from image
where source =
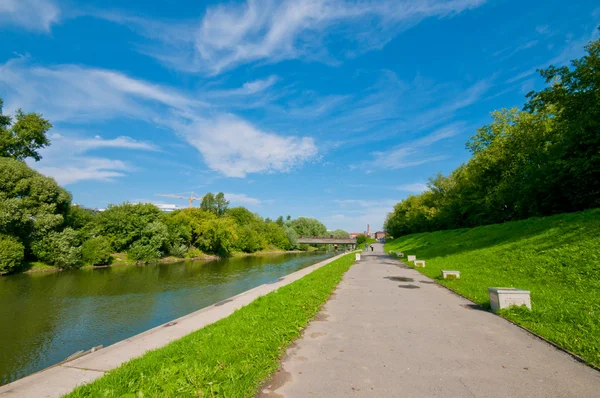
[(236, 148), (410, 154), (228, 144), (36, 15), (74, 93), (243, 199), (67, 159), (417, 187), (272, 30), (356, 214)]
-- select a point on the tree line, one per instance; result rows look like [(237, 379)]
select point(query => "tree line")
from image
[(538, 161), (38, 221)]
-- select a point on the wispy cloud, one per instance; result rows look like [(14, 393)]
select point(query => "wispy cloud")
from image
[(35, 15), (355, 214), (410, 153), (228, 144), (416, 187), (68, 159), (269, 31), (242, 199)]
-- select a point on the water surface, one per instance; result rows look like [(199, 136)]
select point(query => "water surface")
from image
[(44, 318)]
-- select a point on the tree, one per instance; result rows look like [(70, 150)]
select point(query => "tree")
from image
[(360, 239), (208, 202), (24, 137), (221, 204), (125, 224), (12, 254), (309, 227), (96, 251), (31, 205), (61, 249), (339, 233)]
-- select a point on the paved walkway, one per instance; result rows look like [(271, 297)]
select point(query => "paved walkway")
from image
[(382, 337)]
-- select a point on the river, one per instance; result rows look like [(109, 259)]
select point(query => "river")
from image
[(44, 318)]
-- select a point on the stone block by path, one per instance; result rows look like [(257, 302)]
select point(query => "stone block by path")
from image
[(389, 331)]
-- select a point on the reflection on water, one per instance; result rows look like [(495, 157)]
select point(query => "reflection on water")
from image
[(44, 318)]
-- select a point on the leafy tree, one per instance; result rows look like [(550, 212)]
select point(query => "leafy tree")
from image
[(221, 204), (60, 249), (78, 217), (125, 224), (309, 227), (339, 233), (291, 236), (208, 202), (361, 239), (24, 137), (96, 251), (31, 205), (280, 221), (12, 254)]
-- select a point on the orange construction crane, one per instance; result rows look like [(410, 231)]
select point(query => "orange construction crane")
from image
[(191, 198)]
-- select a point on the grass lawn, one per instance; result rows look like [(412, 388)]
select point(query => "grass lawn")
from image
[(232, 357), (557, 258)]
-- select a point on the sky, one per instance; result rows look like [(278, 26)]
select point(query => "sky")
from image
[(329, 109)]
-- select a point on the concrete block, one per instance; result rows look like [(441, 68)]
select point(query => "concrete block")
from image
[(357, 256), (392, 252), (420, 263), (504, 297), (451, 274), (400, 254), (411, 258)]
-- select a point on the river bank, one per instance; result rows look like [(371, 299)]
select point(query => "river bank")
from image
[(120, 259), (52, 315)]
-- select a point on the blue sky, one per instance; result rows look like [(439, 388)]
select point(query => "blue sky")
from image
[(329, 109)]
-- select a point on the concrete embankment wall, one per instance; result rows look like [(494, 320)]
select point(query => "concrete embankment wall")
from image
[(64, 377)]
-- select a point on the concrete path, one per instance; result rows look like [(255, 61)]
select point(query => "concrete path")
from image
[(380, 336)]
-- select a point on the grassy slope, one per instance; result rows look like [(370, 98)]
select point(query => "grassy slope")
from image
[(231, 357), (557, 258)]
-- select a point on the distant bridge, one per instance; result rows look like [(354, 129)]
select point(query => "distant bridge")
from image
[(329, 240)]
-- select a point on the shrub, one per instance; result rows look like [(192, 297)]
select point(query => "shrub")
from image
[(59, 249), (178, 251), (360, 239), (12, 253), (96, 251), (141, 253), (194, 253)]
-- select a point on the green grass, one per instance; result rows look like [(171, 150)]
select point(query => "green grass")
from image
[(557, 258), (232, 357)]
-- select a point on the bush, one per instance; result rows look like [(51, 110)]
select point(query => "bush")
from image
[(141, 253), (96, 251), (59, 249), (360, 239), (178, 251), (12, 253), (194, 253)]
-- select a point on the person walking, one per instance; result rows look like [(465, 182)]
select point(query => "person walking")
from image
[(372, 248)]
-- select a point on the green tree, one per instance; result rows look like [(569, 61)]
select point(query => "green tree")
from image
[(125, 224), (12, 254), (96, 251), (309, 227), (361, 239), (339, 233), (221, 204), (23, 138), (208, 202), (31, 205), (61, 249)]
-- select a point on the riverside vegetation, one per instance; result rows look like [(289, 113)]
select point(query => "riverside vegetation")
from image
[(556, 258), (40, 227), (231, 357)]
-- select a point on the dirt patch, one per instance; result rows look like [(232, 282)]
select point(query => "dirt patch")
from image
[(316, 334), (321, 317)]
